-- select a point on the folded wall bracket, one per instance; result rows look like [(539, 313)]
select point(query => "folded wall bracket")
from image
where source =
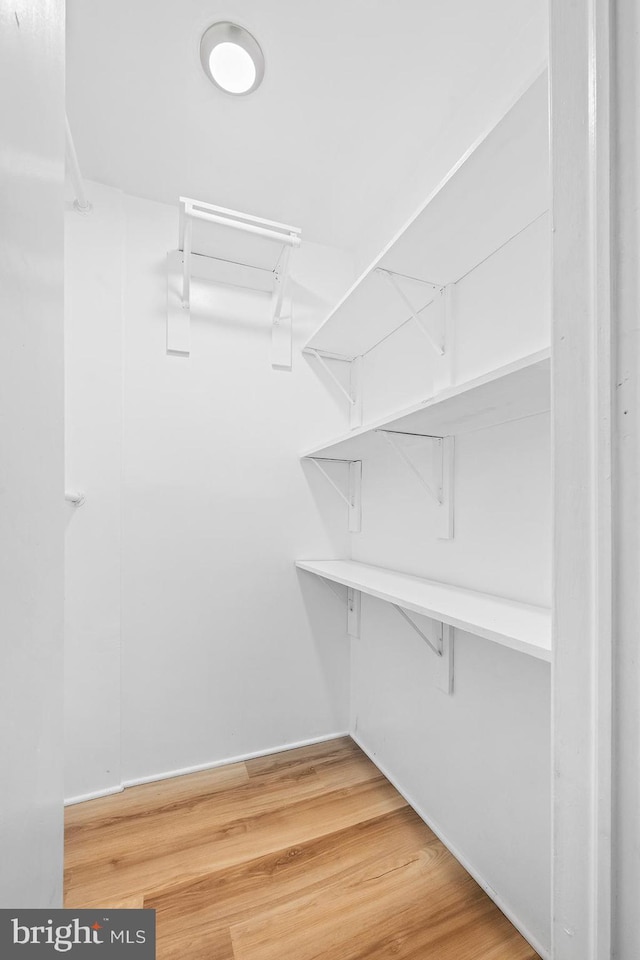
[(350, 492), (430, 459), (276, 240), (351, 390)]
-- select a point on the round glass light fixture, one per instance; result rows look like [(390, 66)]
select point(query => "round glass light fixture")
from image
[(232, 58)]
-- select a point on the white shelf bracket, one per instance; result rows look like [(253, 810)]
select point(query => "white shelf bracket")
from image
[(351, 393), (436, 643), (434, 328), (354, 603), (352, 495), (430, 460), (181, 264), (178, 316), (334, 589), (282, 314), (441, 645), (445, 373), (186, 264)]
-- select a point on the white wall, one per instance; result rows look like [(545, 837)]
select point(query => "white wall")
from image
[(94, 263), (493, 93), (220, 655), (31, 440)]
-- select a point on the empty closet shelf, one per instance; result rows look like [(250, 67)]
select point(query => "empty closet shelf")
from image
[(512, 392), (522, 627)]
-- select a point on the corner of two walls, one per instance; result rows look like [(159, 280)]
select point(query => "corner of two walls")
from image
[(190, 639), (94, 264)]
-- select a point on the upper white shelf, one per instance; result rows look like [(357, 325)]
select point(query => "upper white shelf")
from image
[(498, 188), (516, 625), (517, 390)]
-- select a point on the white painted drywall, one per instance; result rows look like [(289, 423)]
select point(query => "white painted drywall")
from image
[(32, 443), (221, 654), (469, 117), (94, 269)]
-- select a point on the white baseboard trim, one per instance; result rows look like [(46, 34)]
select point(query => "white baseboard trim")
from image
[(94, 796), (282, 748), (497, 899)]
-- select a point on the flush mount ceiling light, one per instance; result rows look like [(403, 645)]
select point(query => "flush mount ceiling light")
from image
[(232, 58)]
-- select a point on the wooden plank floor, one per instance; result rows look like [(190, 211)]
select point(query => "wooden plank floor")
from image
[(304, 855)]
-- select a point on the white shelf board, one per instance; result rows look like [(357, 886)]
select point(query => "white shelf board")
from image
[(519, 626), (493, 193), (517, 390)]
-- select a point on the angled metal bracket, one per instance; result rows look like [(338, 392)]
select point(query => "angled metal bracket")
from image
[(353, 391), (354, 604), (436, 643), (441, 645), (434, 328), (353, 494), (430, 459)]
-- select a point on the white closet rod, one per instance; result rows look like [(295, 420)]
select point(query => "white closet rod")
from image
[(289, 239), (80, 203)]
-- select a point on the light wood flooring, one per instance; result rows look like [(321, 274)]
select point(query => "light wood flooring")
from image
[(301, 855)]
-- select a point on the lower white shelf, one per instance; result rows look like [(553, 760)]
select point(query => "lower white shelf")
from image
[(519, 626)]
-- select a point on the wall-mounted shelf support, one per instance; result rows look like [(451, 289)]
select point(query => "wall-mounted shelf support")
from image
[(338, 593), (441, 644), (352, 495), (275, 240), (352, 393), (430, 459), (354, 603), (281, 314), (434, 331), (436, 643), (439, 637)]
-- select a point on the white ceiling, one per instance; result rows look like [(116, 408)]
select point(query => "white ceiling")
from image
[(354, 92)]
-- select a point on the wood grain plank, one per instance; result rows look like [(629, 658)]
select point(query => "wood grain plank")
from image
[(230, 896), (140, 860), (421, 906), (274, 788)]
